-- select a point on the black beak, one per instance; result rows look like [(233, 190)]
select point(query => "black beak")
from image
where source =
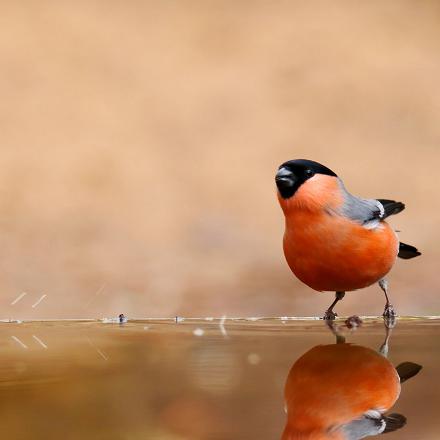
[(284, 178)]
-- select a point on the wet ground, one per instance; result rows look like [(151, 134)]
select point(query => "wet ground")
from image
[(208, 379)]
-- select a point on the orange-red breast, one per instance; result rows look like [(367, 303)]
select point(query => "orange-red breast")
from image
[(341, 392), (335, 241)]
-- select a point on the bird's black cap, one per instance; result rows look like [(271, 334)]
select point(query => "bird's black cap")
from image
[(293, 173)]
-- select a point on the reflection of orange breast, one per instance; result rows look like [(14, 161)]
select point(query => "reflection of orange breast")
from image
[(332, 385), (330, 252)]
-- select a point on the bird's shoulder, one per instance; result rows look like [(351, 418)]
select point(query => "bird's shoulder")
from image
[(373, 423), (368, 212)]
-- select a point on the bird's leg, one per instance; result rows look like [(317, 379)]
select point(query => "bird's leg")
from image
[(385, 346), (329, 313), (389, 314), (340, 338)]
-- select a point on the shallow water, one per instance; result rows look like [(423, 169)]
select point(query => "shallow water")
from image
[(196, 379)]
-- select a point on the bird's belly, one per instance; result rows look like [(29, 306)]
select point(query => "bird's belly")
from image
[(335, 254), (357, 378)]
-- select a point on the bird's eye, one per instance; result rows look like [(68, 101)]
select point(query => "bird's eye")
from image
[(309, 173)]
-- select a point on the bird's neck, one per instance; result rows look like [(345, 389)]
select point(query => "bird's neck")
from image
[(317, 195)]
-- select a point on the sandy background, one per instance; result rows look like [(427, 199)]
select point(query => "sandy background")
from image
[(139, 142)]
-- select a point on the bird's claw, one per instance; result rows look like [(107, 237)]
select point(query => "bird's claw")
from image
[(389, 322), (389, 311), (389, 316), (329, 315)]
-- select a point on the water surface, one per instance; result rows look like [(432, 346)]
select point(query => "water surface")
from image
[(195, 379)]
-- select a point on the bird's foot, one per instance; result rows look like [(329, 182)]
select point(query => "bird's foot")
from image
[(389, 322), (353, 322), (389, 311), (329, 315), (389, 316)]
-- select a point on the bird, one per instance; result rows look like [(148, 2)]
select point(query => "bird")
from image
[(342, 392), (333, 240)]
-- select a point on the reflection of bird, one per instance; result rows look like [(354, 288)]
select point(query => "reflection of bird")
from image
[(341, 392), (333, 240)]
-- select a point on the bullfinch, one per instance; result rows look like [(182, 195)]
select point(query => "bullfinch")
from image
[(333, 240), (342, 392)]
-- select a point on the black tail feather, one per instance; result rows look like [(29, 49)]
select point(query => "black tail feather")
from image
[(407, 251), (407, 370)]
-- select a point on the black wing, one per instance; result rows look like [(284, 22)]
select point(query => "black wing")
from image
[(394, 422), (373, 425), (390, 207)]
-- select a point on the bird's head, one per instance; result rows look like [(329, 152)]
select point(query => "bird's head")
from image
[(291, 175)]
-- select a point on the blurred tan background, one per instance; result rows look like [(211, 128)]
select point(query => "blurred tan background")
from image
[(139, 142)]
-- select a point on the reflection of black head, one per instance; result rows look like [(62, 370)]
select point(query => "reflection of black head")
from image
[(293, 173)]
